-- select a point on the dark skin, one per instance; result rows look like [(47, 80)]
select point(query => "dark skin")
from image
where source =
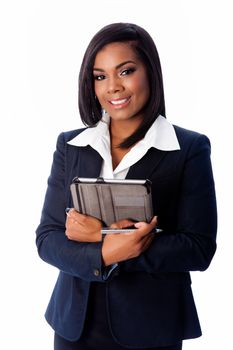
[(116, 247), (117, 152), (122, 88)]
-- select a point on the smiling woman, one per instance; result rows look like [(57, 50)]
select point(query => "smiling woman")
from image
[(121, 84), (134, 53), (122, 88), (129, 290)]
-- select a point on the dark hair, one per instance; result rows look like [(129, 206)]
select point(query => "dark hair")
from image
[(89, 107)]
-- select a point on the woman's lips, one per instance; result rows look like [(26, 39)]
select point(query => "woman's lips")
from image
[(120, 102)]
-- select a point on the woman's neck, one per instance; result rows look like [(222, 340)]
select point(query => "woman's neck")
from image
[(122, 129), (119, 131)]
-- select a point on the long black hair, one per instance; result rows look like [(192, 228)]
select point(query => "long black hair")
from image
[(89, 106)]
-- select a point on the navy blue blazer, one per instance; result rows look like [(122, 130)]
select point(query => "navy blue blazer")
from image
[(149, 298)]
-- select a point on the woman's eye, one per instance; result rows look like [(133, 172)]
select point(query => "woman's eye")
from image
[(99, 77), (127, 71)]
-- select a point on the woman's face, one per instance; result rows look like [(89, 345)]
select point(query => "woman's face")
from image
[(120, 81)]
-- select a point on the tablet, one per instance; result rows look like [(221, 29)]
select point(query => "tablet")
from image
[(111, 200)]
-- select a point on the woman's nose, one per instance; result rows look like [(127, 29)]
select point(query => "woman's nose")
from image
[(114, 85)]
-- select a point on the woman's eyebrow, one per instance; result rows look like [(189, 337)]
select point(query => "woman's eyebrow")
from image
[(118, 66)]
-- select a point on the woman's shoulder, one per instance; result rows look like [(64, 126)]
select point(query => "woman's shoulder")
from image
[(187, 137), (67, 136)]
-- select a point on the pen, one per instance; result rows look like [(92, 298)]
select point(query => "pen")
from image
[(107, 230), (67, 211)]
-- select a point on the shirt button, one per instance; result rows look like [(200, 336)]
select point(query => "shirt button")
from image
[(96, 272)]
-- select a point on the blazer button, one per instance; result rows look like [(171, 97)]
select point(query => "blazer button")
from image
[(96, 272)]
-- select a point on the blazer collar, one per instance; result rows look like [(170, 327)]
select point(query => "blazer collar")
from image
[(89, 162), (144, 168)]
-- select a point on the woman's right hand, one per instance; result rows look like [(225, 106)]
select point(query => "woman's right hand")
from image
[(82, 228), (123, 246)]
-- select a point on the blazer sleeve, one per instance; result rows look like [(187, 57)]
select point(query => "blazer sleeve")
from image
[(191, 244), (82, 260)]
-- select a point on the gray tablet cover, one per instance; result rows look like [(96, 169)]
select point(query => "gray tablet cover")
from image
[(113, 200)]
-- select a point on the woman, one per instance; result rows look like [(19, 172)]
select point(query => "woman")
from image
[(127, 290)]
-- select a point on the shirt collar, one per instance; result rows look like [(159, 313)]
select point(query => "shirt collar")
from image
[(161, 135)]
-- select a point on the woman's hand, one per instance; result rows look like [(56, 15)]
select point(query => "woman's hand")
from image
[(123, 246), (82, 228)]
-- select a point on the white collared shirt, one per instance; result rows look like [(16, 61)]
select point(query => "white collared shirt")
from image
[(161, 135)]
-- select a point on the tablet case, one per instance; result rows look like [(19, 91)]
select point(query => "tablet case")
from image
[(113, 200)]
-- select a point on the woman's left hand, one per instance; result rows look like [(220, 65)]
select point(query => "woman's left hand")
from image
[(82, 228)]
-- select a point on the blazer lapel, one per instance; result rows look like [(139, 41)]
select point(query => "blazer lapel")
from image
[(89, 163), (147, 165), (83, 162)]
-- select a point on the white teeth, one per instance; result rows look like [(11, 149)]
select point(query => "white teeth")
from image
[(119, 102)]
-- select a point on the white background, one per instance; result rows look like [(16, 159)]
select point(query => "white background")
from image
[(42, 44)]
